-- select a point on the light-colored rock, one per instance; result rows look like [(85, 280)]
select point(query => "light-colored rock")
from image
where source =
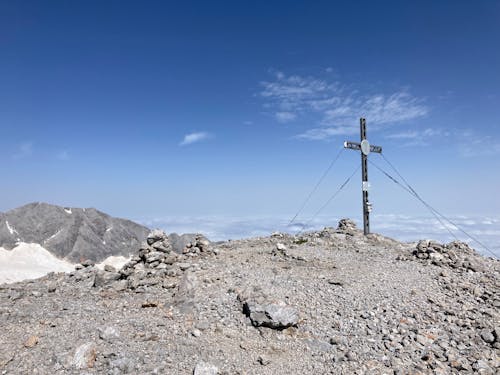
[(84, 356), (204, 368)]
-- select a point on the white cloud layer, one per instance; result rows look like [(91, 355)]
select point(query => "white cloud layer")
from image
[(337, 108), (401, 227), (194, 137)]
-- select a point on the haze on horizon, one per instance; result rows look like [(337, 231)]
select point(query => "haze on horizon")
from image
[(236, 109)]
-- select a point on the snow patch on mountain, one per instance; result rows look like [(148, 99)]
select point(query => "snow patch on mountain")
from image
[(53, 236), (29, 261), (11, 229)]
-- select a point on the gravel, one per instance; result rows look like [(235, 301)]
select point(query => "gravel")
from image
[(326, 302)]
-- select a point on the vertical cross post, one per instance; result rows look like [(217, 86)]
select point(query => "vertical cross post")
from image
[(365, 148), (364, 179)]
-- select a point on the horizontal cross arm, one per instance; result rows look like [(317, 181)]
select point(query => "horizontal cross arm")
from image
[(352, 145), (357, 146)]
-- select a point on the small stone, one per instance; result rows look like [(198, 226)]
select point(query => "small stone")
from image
[(264, 361), (31, 341), (487, 336), (203, 368), (154, 256), (350, 356), (122, 365), (87, 263), (184, 266), (335, 282), (147, 304), (109, 268), (280, 247), (169, 284), (424, 340), (15, 294), (109, 334), (196, 332), (120, 285), (155, 236), (335, 340), (51, 288), (84, 356)]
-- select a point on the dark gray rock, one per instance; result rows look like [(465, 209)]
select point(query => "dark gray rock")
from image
[(488, 336), (103, 278), (155, 235), (182, 243)]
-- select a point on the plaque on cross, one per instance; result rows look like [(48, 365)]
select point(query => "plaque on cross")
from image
[(365, 148)]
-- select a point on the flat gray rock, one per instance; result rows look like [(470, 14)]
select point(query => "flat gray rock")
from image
[(271, 315)]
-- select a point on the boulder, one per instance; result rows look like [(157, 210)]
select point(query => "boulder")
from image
[(276, 315)]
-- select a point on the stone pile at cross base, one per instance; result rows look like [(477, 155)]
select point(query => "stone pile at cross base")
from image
[(332, 301)]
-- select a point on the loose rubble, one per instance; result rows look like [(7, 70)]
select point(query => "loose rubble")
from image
[(326, 302)]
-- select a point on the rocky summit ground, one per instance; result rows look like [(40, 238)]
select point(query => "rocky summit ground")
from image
[(329, 302)]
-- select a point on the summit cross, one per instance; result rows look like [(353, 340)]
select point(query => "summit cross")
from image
[(365, 149)]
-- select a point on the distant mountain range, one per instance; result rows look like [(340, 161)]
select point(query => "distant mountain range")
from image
[(74, 234)]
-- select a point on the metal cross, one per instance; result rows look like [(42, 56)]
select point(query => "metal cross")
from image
[(365, 149)]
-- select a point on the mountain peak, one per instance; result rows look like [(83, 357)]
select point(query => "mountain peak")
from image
[(70, 233)]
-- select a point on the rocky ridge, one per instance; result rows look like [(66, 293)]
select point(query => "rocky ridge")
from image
[(74, 234), (332, 301), (77, 234)]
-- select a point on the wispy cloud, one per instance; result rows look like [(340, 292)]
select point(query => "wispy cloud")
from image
[(322, 133), (24, 150), (418, 137), (194, 138), (467, 143), (285, 116), (472, 144), (336, 107)]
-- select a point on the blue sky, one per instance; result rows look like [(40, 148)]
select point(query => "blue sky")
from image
[(149, 109)]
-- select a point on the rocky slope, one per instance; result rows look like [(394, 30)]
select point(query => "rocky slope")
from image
[(70, 233), (333, 301)]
